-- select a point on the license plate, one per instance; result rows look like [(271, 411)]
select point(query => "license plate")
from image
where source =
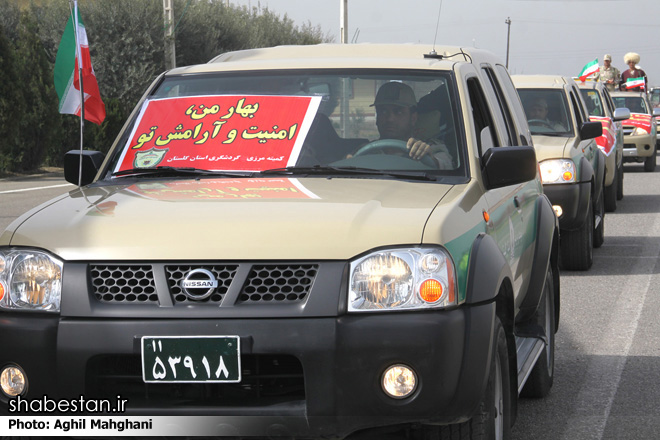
[(173, 359)]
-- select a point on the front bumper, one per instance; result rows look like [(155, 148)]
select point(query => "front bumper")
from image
[(321, 375), (573, 199), (638, 146)]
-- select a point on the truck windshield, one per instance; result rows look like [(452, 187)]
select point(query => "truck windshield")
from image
[(255, 122), (547, 112)]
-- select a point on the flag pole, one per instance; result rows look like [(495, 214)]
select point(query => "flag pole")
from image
[(82, 92)]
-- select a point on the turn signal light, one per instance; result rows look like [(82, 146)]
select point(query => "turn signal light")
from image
[(568, 176), (431, 290)]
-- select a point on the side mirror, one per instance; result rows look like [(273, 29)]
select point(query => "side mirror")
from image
[(504, 166), (656, 111), (91, 163), (591, 130), (621, 114)]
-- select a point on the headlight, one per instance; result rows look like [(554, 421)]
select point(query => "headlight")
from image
[(30, 280), (557, 171), (402, 279), (639, 131)]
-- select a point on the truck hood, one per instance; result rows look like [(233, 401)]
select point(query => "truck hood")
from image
[(312, 218), (550, 147)]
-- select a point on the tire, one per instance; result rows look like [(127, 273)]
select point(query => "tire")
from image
[(493, 418), (611, 194), (619, 188), (576, 247), (542, 376), (649, 162), (599, 211)]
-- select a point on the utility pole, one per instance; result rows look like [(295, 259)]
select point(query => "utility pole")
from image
[(345, 86), (343, 21), (170, 51), (508, 34)]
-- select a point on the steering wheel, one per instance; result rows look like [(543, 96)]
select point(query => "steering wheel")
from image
[(396, 144), (540, 122)]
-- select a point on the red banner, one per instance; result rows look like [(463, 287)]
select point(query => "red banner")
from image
[(223, 132), (641, 120), (607, 140)]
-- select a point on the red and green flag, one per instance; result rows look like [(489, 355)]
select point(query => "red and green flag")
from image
[(631, 83), (72, 55), (589, 69)]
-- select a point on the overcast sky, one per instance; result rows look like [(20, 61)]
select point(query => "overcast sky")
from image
[(547, 36)]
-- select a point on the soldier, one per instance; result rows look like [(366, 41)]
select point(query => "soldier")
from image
[(608, 74)]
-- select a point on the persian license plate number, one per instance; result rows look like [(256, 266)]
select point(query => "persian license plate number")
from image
[(172, 359)]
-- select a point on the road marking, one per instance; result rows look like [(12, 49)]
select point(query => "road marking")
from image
[(610, 355), (34, 189)]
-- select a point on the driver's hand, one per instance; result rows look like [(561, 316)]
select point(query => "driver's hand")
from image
[(417, 149)]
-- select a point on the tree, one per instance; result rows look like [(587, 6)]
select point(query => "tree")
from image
[(40, 127), (126, 40), (11, 105)]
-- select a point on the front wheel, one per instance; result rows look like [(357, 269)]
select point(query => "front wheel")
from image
[(542, 376), (619, 189), (493, 418), (599, 218), (576, 247), (649, 162), (611, 194)]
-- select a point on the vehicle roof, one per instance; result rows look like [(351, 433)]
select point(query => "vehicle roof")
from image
[(540, 81), (590, 84), (624, 93), (365, 55)]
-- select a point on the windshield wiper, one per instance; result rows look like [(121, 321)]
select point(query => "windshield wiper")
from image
[(349, 171), (175, 171), (551, 134)]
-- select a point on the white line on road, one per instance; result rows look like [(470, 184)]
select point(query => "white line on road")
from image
[(34, 189)]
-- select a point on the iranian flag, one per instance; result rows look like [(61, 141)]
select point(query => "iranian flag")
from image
[(70, 58), (634, 82), (589, 69)]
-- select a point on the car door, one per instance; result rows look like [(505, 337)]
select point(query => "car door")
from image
[(589, 147), (513, 206)]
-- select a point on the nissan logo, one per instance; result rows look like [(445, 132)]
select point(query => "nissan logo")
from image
[(199, 284)]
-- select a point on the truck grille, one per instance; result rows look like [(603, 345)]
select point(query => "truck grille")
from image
[(114, 283), (278, 283), (260, 284), (224, 275), (266, 380)]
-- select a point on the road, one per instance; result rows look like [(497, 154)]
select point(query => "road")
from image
[(608, 344), (18, 195)]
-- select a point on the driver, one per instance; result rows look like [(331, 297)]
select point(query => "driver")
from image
[(538, 112), (396, 115)]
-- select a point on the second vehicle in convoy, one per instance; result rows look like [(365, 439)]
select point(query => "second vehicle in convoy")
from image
[(602, 109), (572, 165)]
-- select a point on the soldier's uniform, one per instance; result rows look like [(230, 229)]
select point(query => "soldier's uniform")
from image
[(604, 74)]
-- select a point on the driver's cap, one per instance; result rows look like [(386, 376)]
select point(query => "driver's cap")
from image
[(395, 93)]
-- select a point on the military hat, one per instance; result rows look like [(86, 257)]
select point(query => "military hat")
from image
[(395, 93), (607, 57)]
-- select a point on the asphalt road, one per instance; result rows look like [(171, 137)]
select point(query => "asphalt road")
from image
[(608, 345)]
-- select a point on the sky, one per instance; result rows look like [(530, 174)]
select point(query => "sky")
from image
[(546, 36)]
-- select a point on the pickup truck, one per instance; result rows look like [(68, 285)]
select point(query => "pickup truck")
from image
[(309, 241)]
